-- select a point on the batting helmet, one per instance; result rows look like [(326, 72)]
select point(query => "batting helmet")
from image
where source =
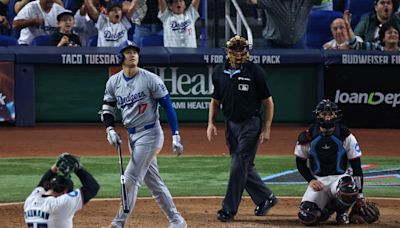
[(61, 183), (327, 106), (125, 45), (235, 45)]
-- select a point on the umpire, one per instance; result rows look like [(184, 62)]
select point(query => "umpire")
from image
[(241, 88)]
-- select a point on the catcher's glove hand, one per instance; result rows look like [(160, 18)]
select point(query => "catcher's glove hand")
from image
[(364, 212), (67, 163)]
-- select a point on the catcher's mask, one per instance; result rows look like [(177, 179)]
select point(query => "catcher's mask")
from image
[(237, 49), (125, 45), (61, 183), (327, 114)]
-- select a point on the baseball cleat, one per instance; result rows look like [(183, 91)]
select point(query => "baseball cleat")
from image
[(225, 216), (263, 208), (179, 224)]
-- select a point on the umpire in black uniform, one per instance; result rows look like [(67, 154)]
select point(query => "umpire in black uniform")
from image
[(241, 88)]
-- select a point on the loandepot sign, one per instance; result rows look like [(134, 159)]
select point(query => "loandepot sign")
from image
[(372, 98)]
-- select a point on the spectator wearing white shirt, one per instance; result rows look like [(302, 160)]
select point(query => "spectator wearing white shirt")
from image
[(113, 27), (340, 36), (37, 18), (179, 22)]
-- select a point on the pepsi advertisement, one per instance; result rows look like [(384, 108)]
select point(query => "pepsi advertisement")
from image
[(368, 95)]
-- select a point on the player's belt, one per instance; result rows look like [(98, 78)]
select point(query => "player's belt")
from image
[(134, 130)]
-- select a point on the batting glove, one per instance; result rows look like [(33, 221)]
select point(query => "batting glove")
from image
[(177, 146), (112, 136)]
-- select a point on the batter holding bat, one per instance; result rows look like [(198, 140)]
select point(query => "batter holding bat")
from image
[(137, 93)]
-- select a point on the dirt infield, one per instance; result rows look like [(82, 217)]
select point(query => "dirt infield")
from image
[(90, 140), (199, 212)]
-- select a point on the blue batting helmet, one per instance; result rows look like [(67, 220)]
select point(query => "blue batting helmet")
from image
[(125, 45)]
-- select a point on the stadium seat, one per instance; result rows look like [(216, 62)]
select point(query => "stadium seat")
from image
[(72, 5), (152, 40), (131, 31), (41, 41), (92, 41), (340, 5), (11, 11), (8, 41), (358, 8), (318, 28)]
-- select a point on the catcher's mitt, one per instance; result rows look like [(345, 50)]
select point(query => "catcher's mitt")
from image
[(67, 163), (364, 212)]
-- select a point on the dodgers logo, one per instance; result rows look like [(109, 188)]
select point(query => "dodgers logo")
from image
[(110, 36), (162, 86), (131, 99), (180, 27)]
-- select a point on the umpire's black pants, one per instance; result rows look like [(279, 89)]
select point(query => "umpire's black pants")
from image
[(243, 139)]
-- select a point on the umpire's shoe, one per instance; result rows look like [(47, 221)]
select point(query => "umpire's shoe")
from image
[(225, 216), (263, 208)]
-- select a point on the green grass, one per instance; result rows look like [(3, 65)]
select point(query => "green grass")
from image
[(184, 176)]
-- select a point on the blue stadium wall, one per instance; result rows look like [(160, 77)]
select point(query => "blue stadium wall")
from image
[(67, 84)]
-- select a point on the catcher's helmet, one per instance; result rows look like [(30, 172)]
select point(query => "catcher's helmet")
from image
[(61, 183), (235, 45), (327, 106), (125, 45)]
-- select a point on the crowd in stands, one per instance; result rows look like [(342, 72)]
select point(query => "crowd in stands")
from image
[(300, 24)]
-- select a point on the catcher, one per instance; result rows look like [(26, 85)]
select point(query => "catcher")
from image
[(331, 149), (53, 202)]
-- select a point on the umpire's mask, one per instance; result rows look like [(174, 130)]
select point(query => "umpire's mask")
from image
[(237, 49)]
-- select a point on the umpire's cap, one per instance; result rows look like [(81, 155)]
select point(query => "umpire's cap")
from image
[(128, 44)]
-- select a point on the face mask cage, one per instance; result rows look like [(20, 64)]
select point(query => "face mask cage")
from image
[(238, 50)]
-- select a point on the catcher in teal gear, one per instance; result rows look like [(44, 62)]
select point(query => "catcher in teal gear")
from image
[(331, 149)]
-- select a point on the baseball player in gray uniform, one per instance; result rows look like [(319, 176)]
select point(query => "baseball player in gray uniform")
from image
[(137, 93)]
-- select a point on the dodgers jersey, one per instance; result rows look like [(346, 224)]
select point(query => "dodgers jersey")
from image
[(136, 97), (109, 34), (30, 11), (41, 210), (179, 30)]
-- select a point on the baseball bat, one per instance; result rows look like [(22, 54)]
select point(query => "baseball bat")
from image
[(125, 205)]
